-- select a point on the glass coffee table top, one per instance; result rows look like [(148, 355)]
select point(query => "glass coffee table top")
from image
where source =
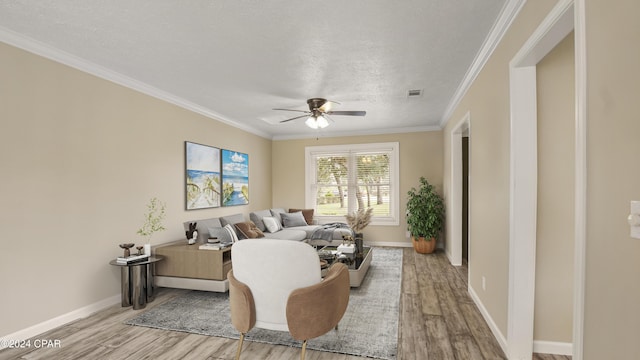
[(331, 254)]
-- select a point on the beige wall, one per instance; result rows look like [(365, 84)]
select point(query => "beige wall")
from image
[(612, 315), (555, 217), (80, 157), (612, 320), (420, 155), (487, 102)]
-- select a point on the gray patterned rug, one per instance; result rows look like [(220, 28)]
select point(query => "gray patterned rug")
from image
[(369, 327)]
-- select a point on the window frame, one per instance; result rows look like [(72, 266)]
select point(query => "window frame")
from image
[(351, 151)]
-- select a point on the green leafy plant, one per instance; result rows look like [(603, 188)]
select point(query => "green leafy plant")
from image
[(425, 211), (153, 219)]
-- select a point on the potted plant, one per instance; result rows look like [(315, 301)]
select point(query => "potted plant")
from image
[(152, 222), (425, 216)]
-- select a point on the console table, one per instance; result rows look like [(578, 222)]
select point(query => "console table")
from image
[(188, 267), (136, 282)]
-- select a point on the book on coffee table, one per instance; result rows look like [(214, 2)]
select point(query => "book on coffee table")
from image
[(131, 259), (218, 246)]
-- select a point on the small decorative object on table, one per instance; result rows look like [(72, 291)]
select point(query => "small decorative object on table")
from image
[(139, 249), (347, 239), (131, 259), (126, 248), (152, 222), (192, 233), (357, 221), (347, 249)]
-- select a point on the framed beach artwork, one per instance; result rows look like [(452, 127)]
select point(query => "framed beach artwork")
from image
[(235, 178), (202, 180)]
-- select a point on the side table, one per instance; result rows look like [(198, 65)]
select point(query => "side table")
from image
[(136, 282)]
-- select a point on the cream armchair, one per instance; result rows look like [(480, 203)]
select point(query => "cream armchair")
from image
[(276, 285)]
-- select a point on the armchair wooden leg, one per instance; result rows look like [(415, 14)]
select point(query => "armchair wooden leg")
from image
[(304, 349), (240, 341)]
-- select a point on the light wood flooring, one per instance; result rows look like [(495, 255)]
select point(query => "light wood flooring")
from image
[(438, 321)]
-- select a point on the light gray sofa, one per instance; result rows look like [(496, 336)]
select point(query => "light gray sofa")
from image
[(215, 227), (295, 233)]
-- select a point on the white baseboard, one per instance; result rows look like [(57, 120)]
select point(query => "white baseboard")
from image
[(60, 320), (388, 243), (542, 347), (552, 347), (450, 257), (502, 341), (192, 284)]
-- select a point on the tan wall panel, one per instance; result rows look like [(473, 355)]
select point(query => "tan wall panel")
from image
[(555, 217), (80, 158), (612, 319), (420, 155), (487, 102)]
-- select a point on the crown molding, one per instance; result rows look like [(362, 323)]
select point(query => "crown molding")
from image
[(508, 14), (41, 49), (331, 134)]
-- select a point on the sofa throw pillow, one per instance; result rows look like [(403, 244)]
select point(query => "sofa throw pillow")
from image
[(231, 219), (307, 213), (232, 232), (221, 233), (256, 217), (276, 214), (249, 230), (293, 219), (271, 224)]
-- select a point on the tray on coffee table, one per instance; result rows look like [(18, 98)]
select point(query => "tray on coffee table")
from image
[(356, 274)]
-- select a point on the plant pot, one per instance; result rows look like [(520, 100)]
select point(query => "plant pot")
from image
[(424, 246)]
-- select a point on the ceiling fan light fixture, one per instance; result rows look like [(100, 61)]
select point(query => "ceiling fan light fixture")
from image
[(322, 122), (317, 115), (312, 122)]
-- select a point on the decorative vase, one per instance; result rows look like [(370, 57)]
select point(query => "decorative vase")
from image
[(126, 248), (147, 249), (359, 239), (424, 246)]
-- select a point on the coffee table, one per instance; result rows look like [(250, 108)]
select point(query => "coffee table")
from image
[(356, 273)]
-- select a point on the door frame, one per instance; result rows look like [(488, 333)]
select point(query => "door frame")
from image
[(566, 16), (462, 128)]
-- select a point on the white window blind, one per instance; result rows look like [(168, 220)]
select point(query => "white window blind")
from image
[(342, 179)]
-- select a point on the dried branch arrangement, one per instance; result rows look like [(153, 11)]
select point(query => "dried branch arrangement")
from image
[(358, 220)]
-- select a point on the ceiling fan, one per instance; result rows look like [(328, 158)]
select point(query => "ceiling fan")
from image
[(317, 114)]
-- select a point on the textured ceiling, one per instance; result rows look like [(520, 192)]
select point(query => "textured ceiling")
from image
[(237, 60)]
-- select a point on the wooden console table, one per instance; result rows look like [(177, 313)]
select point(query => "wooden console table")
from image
[(188, 267)]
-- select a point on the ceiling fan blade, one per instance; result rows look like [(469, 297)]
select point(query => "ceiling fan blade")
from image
[(302, 111), (297, 117), (350, 113), (326, 107), (328, 118)]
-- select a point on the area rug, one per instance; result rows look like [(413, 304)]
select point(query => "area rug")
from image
[(369, 327)]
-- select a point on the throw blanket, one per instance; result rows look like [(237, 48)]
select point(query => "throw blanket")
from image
[(325, 231)]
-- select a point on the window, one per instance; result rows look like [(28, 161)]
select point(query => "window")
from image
[(344, 178)]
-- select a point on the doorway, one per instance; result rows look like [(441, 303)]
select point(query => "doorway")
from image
[(465, 200), (564, 18), (458, 201)]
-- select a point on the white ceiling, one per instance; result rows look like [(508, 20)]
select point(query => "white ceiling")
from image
[(237, 60)]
